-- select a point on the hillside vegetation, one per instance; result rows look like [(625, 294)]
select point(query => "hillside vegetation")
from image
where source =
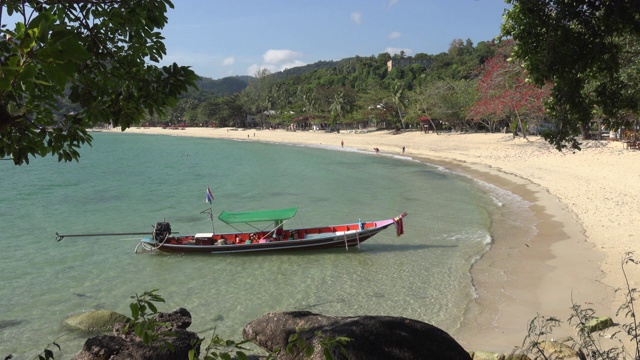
[(442, 90)]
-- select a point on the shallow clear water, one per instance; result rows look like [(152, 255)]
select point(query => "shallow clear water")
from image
[(127, 182)]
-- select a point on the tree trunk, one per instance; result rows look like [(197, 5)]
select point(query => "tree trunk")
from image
[(401, 119), (434, 126), (524, 132), (584, 128)]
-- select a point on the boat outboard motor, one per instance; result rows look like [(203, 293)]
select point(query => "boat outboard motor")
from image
[(161, 231)]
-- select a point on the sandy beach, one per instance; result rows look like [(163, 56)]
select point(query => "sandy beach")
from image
[(586, 203)]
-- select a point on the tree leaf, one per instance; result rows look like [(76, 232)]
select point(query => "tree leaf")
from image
[(5, 83)]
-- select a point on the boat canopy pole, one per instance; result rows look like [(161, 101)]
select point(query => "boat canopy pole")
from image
[(256, 228), (278, 224), (281, 224)]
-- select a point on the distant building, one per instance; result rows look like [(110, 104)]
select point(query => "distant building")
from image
[(400, 63)]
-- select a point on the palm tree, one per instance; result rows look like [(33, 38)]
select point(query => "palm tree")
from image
[(339, 106), (398, 99), (310, 102)]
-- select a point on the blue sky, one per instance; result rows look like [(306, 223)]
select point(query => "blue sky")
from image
[(219, 38)]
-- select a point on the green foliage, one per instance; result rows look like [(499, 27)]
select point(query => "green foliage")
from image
[(328, 343), (297, 345), (447, 101), (223, 87), (586, 343), (538, 330), (97, 55), (143, 313), (221, 349), (580, 47), (47, 354), (228, 349), (628, 308)]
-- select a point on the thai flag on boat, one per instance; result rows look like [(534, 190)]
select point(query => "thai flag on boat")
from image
[(209, 198)]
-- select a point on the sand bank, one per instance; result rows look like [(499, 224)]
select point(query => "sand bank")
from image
[(586, 202)]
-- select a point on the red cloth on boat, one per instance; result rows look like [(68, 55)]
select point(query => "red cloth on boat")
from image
[(399, 226)]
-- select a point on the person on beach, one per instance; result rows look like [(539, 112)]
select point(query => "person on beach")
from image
[(342, 143), (376, 150), (403, 150)]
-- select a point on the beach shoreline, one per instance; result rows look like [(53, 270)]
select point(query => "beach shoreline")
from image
[(583, 201)]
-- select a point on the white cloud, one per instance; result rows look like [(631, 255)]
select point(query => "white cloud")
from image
[(228, 61), (279, 56), (392, 2), (393, 51), (356, 17), (394, 35), (277, 60), (253, 69)]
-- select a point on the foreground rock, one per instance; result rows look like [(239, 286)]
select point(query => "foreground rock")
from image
[(485, 355), (128, 346), (95, 321), (599, 324), (373, 337)]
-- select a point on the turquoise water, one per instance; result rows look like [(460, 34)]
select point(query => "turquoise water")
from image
[(127, 182)]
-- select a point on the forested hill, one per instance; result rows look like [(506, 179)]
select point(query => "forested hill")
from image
[(225, 86), (235, 84), (460, 62), (301, 70)]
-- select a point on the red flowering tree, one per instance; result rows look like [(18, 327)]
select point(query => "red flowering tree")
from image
[(504, 94)]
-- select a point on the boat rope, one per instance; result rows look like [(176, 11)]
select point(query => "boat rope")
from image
[(162, 243), (151, 247), (346, 244)]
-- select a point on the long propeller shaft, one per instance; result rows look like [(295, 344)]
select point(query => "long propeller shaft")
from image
[(60, 237)]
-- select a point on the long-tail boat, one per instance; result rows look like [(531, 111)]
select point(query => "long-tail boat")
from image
[(274, 237)]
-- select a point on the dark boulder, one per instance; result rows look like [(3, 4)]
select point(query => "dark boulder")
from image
[(123, 345), (179, 319), (373, 337)]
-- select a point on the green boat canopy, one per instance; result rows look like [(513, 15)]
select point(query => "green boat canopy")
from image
[(257, 216)]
